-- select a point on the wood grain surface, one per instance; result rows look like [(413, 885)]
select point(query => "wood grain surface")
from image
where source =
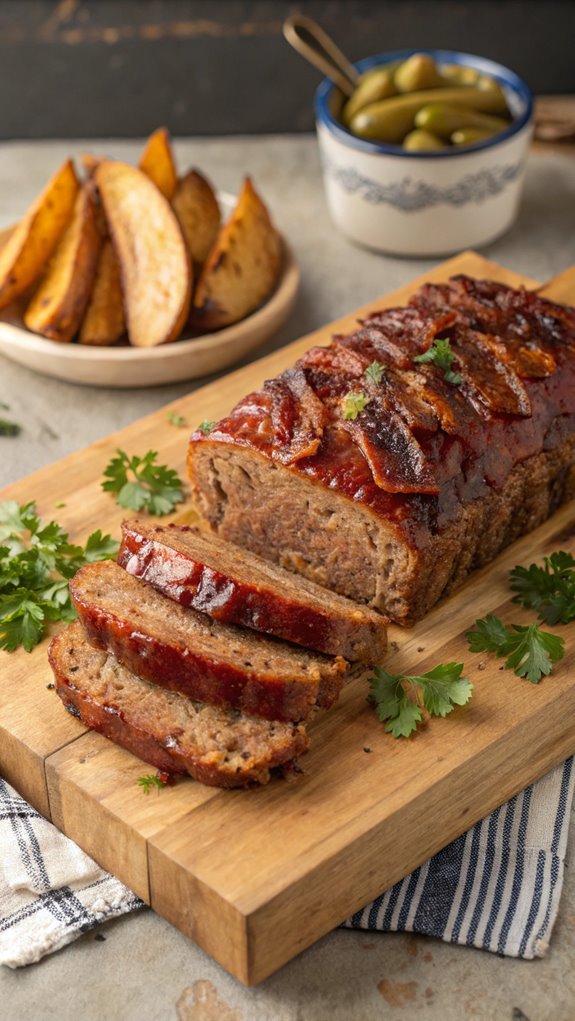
[(256, 876)]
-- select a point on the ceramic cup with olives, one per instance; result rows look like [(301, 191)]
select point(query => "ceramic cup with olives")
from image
[(427, 156)]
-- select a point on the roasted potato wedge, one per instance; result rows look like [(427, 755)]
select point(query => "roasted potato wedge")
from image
[(198, 212), (57, 308), (242, 268), (155, 267), (5, 235), (104, 321), (157, 161), (24, 258)]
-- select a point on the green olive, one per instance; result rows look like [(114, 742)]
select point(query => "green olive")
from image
[(416, 73), (443, 120), (372, 87), (459, 74), (421, 141), (467, 136), (390, 120)]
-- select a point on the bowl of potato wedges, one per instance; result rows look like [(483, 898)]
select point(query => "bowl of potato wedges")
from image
[(130, 276)]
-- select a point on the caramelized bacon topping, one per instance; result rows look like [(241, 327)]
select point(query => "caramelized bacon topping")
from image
[(422, 444)]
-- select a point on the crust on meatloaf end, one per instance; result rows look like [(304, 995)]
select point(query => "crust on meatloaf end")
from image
[(219, 747)]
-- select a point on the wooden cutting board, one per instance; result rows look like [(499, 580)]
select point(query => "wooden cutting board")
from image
[(256, 876)]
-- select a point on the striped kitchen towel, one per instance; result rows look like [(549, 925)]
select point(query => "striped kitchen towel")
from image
[(498, 886), (50, 891)]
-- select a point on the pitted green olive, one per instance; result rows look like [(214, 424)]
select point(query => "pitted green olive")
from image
[(416, 73), (458, 74), (468, 136), (422, 141)]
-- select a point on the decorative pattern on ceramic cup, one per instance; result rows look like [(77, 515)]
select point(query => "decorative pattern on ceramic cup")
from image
[(411, 195)]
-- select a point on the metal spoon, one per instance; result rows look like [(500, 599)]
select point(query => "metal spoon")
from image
[(319, 49)]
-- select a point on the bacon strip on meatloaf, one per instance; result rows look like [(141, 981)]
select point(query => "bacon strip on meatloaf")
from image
[(431, 479)]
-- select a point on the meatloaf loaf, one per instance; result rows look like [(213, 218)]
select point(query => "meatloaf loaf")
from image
[(186, 651), (388, 478), (219, 747), (237, 587)]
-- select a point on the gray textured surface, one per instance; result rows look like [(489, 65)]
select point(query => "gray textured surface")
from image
[(144, 968)]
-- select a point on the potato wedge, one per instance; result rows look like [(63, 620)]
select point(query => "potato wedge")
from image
[(155, 267), (198, 212), (28, 250), (6, 234), (104, 321), (57, 308), (157, 161), (242, 268)]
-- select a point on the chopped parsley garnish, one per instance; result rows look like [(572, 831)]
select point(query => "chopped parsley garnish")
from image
[(440, 354), (549, 589), (36, 562), (178, 420), (207, 427), (141, 484), (529, 652), (8, 428), (149, 781), (439, 691), (375, 372), (353, 403)]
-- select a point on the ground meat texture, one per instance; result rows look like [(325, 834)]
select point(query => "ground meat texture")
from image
[(187, 651), (235, 586), (219, 747)]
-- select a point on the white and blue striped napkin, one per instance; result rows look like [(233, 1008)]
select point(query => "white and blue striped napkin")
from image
[(497, 887)]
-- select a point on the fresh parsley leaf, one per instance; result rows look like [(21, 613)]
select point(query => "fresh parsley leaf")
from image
[(354, 403), (149, 781), (178, 420), (141, 484), (529, 652), (438, 691), (59, 505), (440, 354), (207, 427), (8, 428), (36, 562), (549, 589), (375, 372)]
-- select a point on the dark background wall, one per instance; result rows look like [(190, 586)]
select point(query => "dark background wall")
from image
[(121, 67)]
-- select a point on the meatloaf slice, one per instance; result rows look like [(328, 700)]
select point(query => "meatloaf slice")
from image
[(186, 651), (237, 587), (393, 462), (218, 747)]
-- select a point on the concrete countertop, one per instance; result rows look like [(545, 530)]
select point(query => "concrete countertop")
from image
[(144, 970)]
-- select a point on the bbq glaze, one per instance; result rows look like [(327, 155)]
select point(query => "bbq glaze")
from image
[(422, 448)]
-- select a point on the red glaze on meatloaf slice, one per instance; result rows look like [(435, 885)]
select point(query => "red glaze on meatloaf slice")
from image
[(218, 747), (237, 587), (186, 651)]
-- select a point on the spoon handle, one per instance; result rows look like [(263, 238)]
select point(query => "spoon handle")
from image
[(311, 42)]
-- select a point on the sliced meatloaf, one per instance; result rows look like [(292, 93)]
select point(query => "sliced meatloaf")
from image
[(219, 747), (388, 478), (186, 651), (237, 587)]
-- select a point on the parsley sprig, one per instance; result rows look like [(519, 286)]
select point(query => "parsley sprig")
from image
[(440, 354), (549, 589), (141, 484), (353, 403), (206, 427), (36, 562), (375, 372), (400, 698), (177, 420), (150, 780), (529, 651)]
